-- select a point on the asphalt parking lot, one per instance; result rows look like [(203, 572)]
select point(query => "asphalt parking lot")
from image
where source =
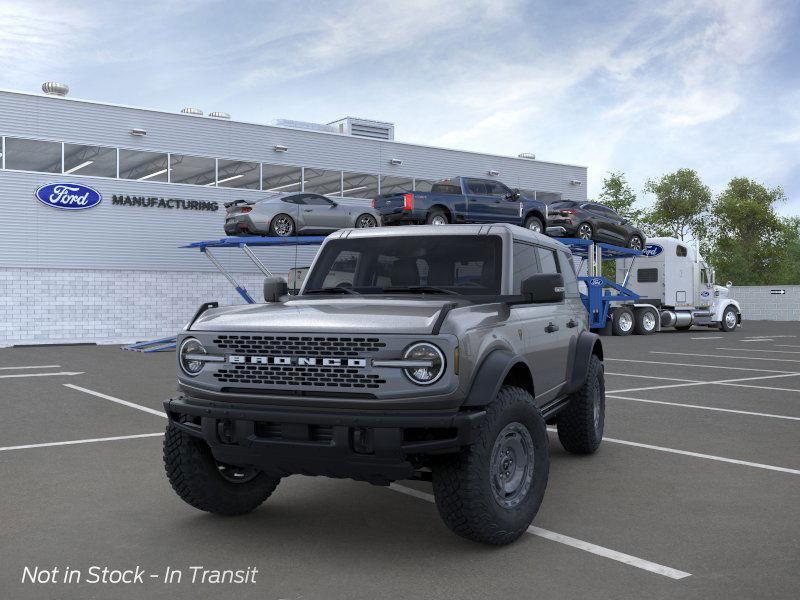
[(693, 494)]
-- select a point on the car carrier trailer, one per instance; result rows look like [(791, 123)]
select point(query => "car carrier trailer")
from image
[(670, 286)]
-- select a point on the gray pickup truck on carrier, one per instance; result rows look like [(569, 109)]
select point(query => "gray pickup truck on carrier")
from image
[(416, 352)]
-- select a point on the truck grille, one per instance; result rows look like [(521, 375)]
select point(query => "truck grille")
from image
[(276, 375), (291, 345)]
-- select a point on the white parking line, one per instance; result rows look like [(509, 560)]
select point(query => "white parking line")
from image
[(786, 346), (87, 441), (756, 340), (725, 356), (65, 373), (717, 382), (758, 350), (674, 364), (698, 406), (708, 337), (152, 411), (654, 377), (701, 455), (627, 559), (31, 367)]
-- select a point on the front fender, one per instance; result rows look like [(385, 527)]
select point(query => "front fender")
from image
[(723, 305), (588, 344), (490, 376)]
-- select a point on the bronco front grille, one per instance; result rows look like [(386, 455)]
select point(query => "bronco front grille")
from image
[(295, 345), (277, 375)]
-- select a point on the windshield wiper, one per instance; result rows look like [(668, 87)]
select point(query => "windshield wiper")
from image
[(332, 290), (420, 289)]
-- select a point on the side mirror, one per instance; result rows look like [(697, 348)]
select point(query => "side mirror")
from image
[(274, 288), (334, 204), (729, 285), (544, 287)]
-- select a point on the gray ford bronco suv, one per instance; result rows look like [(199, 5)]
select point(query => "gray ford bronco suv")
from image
[(415, 352)]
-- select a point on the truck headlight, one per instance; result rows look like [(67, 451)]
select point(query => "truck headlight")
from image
[(431, 357), (189, 356)]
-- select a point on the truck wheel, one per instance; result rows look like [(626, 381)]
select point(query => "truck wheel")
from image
[(580, 424), (623, 321), (491, 491), (437, 217), (729, 320), (208, 485), (534, 224), (645, 323), (281, 226)]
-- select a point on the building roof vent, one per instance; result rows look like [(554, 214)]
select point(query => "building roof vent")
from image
[(51, 88), (192, 111), (219, 115), (527, 155), (376, 130)]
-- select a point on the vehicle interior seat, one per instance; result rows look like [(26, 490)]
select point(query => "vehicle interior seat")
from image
[(404, 272)]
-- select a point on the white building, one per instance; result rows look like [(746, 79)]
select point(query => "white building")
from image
[(115, 272)]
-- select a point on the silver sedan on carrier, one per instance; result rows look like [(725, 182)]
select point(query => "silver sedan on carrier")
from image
[(296, 213)]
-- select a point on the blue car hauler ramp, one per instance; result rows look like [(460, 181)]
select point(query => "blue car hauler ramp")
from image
[(601, 291), (246, 244)]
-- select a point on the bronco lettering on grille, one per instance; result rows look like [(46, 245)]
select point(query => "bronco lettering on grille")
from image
[(300, 361)]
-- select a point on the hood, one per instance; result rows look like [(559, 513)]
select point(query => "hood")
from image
[(359, 315), (720, 291)]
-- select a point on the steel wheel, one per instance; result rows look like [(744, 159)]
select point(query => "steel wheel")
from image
[(282, 225), (534, 224), (625, 321), (648, 321), (438, 219), (635, 243), (237, 474), (365, 221), (511, 469), (585, 231)]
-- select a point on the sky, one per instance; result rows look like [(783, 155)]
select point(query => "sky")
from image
[(639, 87)]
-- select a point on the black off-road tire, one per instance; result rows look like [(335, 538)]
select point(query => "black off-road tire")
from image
[(195, 477), (462, 483), (580, 424), (437, 214)]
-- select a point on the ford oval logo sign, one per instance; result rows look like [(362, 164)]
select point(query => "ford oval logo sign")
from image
[(595, 282), (652, 250), (705, 294), (68, 196)]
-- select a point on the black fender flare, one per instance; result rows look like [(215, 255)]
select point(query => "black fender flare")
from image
[(490, 376), (535, 212), (588, 343)]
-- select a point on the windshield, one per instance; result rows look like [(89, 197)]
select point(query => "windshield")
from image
[(441, 264)]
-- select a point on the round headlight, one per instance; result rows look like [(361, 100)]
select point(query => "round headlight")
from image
[(424, 375), (190, 348)]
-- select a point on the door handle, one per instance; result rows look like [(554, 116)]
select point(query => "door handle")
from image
[(572, 323), (551, 328), (307, 210)]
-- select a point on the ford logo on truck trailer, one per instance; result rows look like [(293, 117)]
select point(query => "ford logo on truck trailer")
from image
[(652, 250), (68, 196)]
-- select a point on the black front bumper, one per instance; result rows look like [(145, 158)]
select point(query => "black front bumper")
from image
[(378, 447)]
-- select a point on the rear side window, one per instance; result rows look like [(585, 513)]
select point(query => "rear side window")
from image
[(526, 263), (441, 188), (547, 260), (570, 279), (293, 200), (647, 275)]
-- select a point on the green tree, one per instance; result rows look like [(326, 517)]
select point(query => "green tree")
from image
[(618, 195), (681, 205), (750, 243)]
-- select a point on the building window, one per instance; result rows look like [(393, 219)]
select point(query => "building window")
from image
[(237, 174), (144, 166), (194, 170), (96, 161), (423, 185), (396, 185), (33, 155), (280, 178), (359, 185), (320, 181)]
